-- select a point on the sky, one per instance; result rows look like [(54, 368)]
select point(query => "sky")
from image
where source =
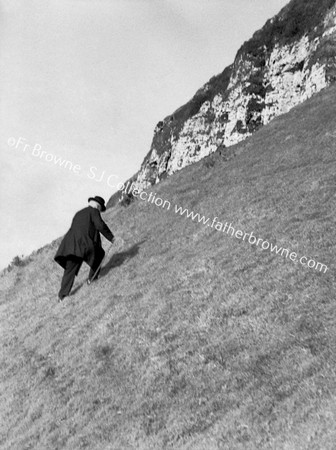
[(83, 84)]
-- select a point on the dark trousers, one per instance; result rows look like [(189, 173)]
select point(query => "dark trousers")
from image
[(98, 258), (73, 264)]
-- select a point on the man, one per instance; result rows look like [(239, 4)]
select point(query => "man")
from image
[(82, 243)]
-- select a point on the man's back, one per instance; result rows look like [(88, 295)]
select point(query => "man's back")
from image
[(82, 222), (88, 222)]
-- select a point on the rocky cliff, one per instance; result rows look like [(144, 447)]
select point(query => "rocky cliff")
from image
[(292, 57)]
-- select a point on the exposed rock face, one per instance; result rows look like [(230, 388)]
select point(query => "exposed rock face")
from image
[(292, 57)]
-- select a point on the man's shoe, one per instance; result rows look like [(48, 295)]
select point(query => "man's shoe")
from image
[(61, 298), (91, 280)]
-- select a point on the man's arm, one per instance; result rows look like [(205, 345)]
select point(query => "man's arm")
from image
[(101, 225)]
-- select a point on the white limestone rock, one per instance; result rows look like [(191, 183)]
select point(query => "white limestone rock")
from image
[(291, 74)]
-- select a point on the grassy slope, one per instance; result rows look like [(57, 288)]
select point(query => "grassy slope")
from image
[(192, 339)]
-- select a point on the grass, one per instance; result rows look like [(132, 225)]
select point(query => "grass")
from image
[(191, 339)]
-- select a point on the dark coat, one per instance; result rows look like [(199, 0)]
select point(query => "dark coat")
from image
[(83, 238)]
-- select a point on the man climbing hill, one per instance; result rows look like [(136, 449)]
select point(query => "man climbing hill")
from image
[(82, 243)]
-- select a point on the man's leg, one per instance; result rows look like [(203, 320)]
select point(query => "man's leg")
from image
[(72, 267), (99, 256)]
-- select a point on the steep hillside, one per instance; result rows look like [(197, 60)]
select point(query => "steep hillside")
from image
[(193, 338), (291, 58)]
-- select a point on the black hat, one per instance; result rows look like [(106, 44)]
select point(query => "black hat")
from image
[(99, 200)]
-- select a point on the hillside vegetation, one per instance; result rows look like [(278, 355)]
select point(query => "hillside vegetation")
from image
[(192, 339)]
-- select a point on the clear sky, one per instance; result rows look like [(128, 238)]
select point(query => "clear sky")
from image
[(85, 82)]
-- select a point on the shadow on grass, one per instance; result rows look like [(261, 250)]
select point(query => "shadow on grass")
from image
[(73, 292), (119, 258), (116, 260)]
